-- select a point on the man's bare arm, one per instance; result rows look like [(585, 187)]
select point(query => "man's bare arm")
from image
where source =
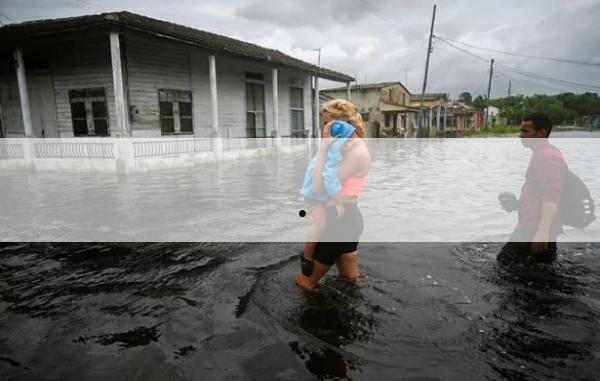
[(542, 236)]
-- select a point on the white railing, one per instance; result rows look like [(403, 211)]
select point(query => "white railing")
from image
[(235, 144), (130, 155), (153, 148), (259, 143), (290, 141), (11, 151), (74, 150)]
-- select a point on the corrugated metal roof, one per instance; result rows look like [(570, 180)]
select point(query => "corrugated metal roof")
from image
[(210, 41)]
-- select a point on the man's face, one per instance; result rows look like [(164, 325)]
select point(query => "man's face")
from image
[(529, 135)]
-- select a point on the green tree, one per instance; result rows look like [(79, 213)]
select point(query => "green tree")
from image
[(465, 97), (479, 102), (560, 108)]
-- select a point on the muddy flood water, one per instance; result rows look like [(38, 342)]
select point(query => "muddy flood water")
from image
[(232, 311)]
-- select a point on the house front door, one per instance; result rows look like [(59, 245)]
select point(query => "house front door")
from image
[(42, 104)]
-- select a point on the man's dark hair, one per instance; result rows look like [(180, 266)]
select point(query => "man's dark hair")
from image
[(540, 121)]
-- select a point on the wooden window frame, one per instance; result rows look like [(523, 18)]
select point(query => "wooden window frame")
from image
[(178, 97), (252, 79), (298, 132), (88, 99)]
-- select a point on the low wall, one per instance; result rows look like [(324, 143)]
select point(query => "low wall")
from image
[(128, 155)]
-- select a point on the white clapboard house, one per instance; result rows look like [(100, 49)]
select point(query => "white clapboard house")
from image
[(125, 75)]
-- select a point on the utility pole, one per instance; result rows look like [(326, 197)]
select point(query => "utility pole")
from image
[(419, 131), (488, 93), (509, 85)]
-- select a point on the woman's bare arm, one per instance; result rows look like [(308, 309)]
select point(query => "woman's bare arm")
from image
[(356, 163)]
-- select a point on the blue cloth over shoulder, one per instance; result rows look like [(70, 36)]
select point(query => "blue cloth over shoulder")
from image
[(331, 168)]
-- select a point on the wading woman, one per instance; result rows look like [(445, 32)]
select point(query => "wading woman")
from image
[(342, 224)]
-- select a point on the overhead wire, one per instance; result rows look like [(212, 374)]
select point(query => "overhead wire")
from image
[(531, 75), (555, 59)]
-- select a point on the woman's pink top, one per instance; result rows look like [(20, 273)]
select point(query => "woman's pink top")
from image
[(354, 186)]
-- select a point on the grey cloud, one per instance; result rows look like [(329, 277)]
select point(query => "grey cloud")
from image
[(395, 32), (295, 14)]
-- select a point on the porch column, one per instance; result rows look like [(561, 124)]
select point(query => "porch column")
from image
[(275, 132), (445, 119), (437, 122), (430, 128), (23, 93), (214, 109), (400, 124), (316, 112), (348, 91), (117, 72)]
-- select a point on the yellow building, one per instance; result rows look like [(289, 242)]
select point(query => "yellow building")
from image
[(385, 107)]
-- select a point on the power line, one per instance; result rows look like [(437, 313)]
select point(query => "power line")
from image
[(371, 11), (95, 5), (550, 79), (476, 56), (536, 84), (484, 61), (581, 86), (444, 49), (368, 7), (555, 59)]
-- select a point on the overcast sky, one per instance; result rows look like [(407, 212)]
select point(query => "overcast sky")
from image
[(386, 40)]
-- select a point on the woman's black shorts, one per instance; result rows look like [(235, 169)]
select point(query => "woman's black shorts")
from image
[(350, 227)]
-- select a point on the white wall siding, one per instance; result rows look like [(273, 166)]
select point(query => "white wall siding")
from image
[(284, 79), (79, 66), (150, 64), (154, 64), (11, 104), (231, 83), (231, 94), (72, 65), (201, 106)]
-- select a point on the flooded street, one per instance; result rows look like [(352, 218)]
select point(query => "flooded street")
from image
[(223, 311), (299, 190), (432, 190), (231, 310)]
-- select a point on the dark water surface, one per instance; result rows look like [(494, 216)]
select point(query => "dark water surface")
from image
[(232, 311)]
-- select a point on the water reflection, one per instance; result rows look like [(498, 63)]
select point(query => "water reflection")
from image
[(540, 322), (215, 311), (53, 278), (338, 315)]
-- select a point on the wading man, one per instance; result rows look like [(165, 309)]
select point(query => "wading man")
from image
[(534, 238)]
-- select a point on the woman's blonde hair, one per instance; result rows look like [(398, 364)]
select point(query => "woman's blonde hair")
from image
[(344, 110)]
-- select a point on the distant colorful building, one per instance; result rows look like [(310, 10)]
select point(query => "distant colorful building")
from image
[(385, 107)]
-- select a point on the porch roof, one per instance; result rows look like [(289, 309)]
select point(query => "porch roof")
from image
[(391, 107), (13, 33)]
